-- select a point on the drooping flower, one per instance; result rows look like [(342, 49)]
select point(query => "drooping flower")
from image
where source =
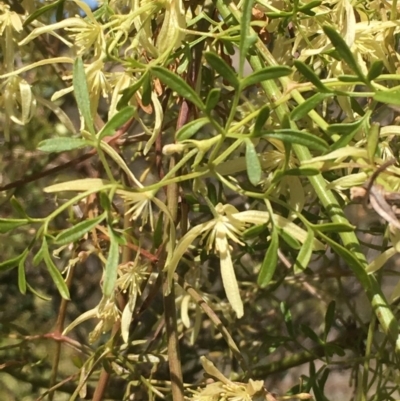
[(224, 226), (224, 389), (131, 276)]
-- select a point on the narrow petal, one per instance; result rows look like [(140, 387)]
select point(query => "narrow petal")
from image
[(228, 276)]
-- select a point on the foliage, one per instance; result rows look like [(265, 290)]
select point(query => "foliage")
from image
[(208, 189)]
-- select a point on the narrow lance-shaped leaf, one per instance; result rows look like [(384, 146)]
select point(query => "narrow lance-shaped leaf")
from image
[(13, 262), (212, 99), (36, 14), (81, 92), (304, 108), (373, 140), (270, 261), (289, 239), (351, 79), (111, 269), (308, 73), (191, 128), (265, 74), (287, 317), (9, 224), (178, 85), (333, 227), (54, 272), (391, 96), (344, 51), (252, 163), (246, 39), (76, 232), (21, 273), (57, 145), (128, 93), (16, 205), (299, 137), (146, 90), (223, 69), (375, 70), (261, 119), (381, 260), (329, 318), (304, 256), (116, 121), (347, 131)]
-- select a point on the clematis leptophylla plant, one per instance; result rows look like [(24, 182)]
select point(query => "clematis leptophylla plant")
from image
[(228, 224)]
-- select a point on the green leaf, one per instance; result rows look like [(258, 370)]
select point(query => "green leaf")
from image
[(375, 70), (333, 227), (281, 14), (356, 107), (300, 137), (7, 225), (381, 260), (105, 202), (253, 165), (191, 128), (261, 119), (60, 11), (39, 255), (344, 51), (310, 333), (391, 96), (270, 261), (78, 231), (265, 74), (332, 349), (35, 15), (308, 73), (304, 108), (373, 140), (54, 272), (254, 231), (13, 262), (356, 266), (82, 93), (158, 231), (291, 241), (116, 121), (128, 93), (304, 256), (329, 318), (351, 79), (38, 294), (302, 171), (287, 317), (222, 68), (347, 131), (111, 269), (16, 205), (57, 145), (212, 99), (246, 38), (178, 85), (344, 129), (310, 5), (21, 274), (147, 90)]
